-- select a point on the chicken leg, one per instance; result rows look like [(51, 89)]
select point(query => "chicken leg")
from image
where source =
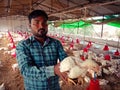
[(71, 81), (80, 80)]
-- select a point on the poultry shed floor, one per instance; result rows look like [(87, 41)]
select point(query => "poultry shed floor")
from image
[(14, 81), (11, 79)]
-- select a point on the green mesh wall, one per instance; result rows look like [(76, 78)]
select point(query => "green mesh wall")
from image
[(80, 24), (115, 23)]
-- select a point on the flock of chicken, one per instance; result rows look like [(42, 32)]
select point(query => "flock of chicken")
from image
[(9, 49), (76, 68), (81, 66)]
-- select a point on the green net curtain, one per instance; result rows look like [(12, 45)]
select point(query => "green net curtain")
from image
[(79, 24), (115, 23)]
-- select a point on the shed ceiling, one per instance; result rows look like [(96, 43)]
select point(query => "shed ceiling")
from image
[(61, 9)]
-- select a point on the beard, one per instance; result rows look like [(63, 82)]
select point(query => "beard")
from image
[(41, 33)]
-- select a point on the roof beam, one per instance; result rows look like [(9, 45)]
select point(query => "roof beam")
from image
[(78, 7)]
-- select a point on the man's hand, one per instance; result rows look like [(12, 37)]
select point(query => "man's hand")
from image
[(62, 75)]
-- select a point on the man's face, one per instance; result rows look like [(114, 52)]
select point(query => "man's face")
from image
[(39, 26)]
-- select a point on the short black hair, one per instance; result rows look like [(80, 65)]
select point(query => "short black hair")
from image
[(37, 13)]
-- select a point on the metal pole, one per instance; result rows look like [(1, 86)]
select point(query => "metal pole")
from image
[(102, 27)]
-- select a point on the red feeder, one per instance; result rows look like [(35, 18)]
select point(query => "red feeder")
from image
[(77, 41), (85, 50), (11, 40), (117, 53), (107, 57), (94, 85), (72, 42), (82, 57), (106, 48), (90, 42), (13, 46), (13, 54), (9, 34), (62, 38), (88, 45), (71, 46), (63, 42)]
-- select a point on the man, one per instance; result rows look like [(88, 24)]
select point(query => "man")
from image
[(37, 56)]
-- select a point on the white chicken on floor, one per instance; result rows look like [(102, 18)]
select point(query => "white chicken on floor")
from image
[(2, 87), (77, 68)]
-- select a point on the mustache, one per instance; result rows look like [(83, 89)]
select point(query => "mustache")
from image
[(41, 29)]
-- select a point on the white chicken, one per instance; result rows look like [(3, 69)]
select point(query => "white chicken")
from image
[(15, 67), (76, 71), (67, 64), (2, 87), (76, 68), (90, 64)]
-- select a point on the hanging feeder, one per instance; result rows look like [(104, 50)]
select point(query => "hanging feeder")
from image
[(77, 41), (89, 44), (85, 50), (106, 48), (107, 57), (116, 53), (71, 46), (82, 57), (94, 85)]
